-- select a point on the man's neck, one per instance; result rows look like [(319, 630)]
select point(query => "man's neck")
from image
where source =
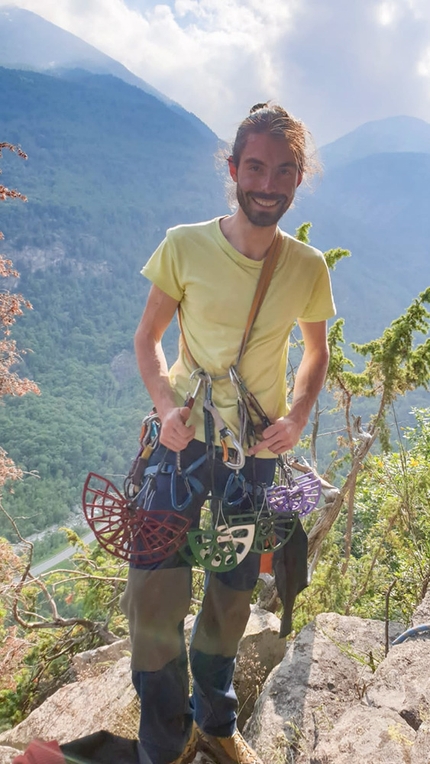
[(250, 240)]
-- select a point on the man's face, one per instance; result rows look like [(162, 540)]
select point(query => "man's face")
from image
[(266, 178)]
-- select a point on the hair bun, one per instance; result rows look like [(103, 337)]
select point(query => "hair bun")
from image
[(258, 106)]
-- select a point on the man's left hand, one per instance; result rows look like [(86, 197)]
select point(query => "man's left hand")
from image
[(280, 436)]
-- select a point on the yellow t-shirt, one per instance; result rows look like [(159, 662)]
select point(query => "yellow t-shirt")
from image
[(215, 284)]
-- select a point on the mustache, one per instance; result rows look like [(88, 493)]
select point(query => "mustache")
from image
[(268, 197)]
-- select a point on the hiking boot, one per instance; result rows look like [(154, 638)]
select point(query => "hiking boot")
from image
[(190, 750), (228, 750)]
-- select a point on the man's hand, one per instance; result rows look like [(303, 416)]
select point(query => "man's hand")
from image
[(175, 433), (280, 436), (285, 433)]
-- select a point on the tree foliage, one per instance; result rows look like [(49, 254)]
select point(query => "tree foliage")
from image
[(388, 571), (11, 305)]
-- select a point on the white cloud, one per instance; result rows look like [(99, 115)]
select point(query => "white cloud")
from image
[(386, 13), (333, 63), (424, 64)]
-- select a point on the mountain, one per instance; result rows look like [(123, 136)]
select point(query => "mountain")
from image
[(101, 153), (110, 167), (384, 136), (27, 41), (373, 200)]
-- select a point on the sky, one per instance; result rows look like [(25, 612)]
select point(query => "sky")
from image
[(333, 63)]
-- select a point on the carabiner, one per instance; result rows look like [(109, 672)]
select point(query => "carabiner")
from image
[(235, 483), (193, 486), (150, 429), (190, 399), (249, 400), (173, 491), (224, 432)]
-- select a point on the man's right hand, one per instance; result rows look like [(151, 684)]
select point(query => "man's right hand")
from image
[(175, 433)]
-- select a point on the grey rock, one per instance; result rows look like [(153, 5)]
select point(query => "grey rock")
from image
[(326, 669), (420, 752), (94, 662), (402, 682), (366, 735), (107, 701), (104, 697), (422, 613), (7, 754), (260, 650), (331, 698)]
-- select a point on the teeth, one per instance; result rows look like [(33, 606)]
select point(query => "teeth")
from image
[(266, 202)]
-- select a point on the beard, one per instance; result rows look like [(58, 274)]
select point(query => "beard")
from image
[(261, 217)]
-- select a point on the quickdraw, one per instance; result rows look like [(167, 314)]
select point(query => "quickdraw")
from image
[(236, 489), (233, 454), (248, 403)]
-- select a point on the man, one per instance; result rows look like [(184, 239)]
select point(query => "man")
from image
[(209, 273)]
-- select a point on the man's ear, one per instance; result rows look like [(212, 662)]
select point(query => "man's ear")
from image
[(299, 179), (232, 169)]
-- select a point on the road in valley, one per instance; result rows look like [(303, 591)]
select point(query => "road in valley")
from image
[(42, 567)]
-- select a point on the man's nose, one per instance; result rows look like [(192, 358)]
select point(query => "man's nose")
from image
[(269, 182)]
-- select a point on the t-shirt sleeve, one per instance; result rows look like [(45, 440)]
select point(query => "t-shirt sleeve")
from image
[(162, 269), (321, 305)]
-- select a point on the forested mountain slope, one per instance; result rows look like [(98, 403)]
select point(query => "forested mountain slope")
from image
[(30, 42), (373, 199), (110, 168)]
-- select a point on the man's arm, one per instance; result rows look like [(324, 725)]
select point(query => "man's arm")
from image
[(158, 314), (285, 433)]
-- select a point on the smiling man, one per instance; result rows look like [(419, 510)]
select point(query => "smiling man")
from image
[(209, 273), (267, 186)]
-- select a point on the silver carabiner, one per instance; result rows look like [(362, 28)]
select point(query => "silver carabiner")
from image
[(239, 460), (225, 432), (190, 398)]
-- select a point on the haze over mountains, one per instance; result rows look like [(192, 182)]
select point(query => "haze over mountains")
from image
[(111, 166), (377, 207), (29, 41), (374, 200)]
